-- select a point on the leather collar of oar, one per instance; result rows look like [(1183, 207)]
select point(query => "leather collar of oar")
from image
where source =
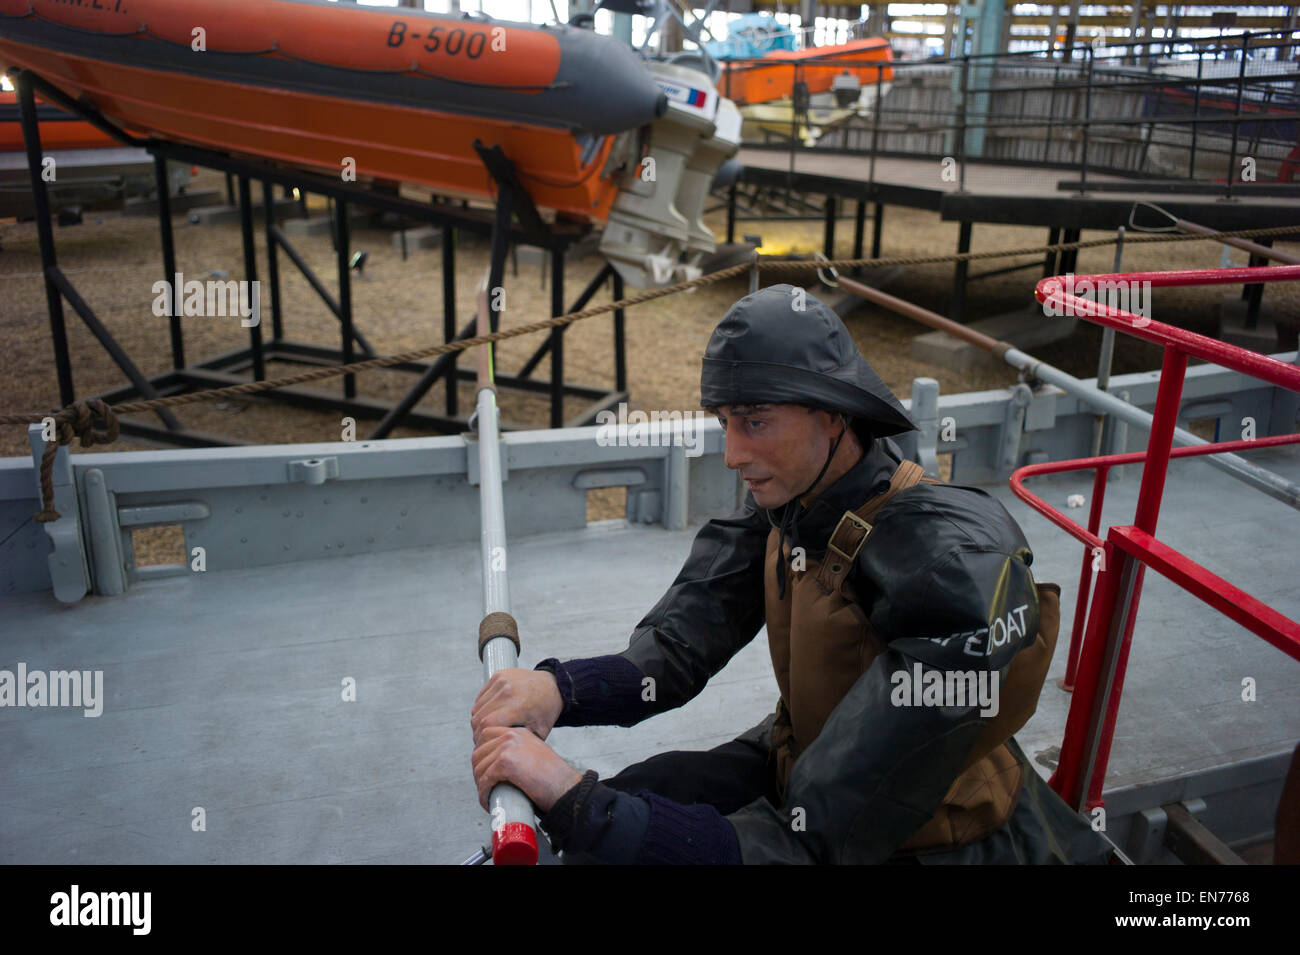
[(77, 419)]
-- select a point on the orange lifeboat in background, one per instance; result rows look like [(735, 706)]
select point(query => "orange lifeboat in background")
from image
[(746, 82), (59, 130)]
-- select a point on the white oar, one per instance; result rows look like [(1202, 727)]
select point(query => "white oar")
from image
[(514, 840)]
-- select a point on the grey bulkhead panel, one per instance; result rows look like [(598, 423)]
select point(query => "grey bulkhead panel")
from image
[(257, 506)]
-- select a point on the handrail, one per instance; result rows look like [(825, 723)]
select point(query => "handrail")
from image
[(1231, 100), (1095, 548), (1108, 461), (1053, 291), (1129, 550)]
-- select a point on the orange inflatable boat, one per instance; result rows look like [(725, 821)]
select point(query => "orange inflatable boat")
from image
[(390, 93)]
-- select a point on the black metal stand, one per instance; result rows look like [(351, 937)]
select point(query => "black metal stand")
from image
[(233, 367)]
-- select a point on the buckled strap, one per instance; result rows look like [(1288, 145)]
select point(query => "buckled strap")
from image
[(852, 530)]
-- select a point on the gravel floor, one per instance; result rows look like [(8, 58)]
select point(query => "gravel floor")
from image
[(114, 260)]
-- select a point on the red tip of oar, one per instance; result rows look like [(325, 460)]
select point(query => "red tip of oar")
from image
[(515, 843)]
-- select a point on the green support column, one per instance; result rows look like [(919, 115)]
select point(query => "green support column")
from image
[(985, 17), (623, 27)]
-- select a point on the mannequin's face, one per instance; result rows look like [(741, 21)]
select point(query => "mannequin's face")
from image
[(778, 449)]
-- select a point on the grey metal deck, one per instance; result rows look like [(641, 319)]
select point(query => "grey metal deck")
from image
[(223, 691)]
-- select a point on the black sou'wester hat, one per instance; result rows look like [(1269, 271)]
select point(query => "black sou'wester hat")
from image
[(766, 351)]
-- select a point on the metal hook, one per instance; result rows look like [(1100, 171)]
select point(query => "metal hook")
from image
[(1155, 208), (833, 282)]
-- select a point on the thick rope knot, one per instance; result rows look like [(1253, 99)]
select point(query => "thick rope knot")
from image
[(82, 424), (75, 421)]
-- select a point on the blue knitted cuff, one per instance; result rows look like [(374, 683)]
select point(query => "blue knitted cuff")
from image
[(598, 691), (593, 823), (687, 835)]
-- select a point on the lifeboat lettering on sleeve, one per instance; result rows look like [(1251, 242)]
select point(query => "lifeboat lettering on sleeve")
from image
[(977, 643)]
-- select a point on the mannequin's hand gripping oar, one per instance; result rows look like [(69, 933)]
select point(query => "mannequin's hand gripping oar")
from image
[(514, 840)]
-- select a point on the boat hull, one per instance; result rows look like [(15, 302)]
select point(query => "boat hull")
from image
[(774, 76), (327, 88), (59, 130)]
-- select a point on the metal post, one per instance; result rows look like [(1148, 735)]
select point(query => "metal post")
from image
[(731, 211), (859, 227), (250, 273), (557, 339), (877, 227), (1164, 419), (620, 334), (1236, 123), (1196, 112), (1254, 294), (1118, 613), (500, 245), (1070, 257), (958, 309), (449, 311), (342, 251), (169, 260), (1087, 123), (1051, 113), (828, 234), (961, 144), (45, 237), (1085, 581), (272, 260), (875, 122), (1134, 23), (514, 840), (1049, 260), (1107, 355)]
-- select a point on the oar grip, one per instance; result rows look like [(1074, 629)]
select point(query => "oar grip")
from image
[(515, 843), (497, 624)]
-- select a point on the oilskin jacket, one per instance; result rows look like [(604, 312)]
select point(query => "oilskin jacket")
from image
[(929, 587)]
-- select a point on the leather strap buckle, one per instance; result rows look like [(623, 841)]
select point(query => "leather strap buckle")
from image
[(857, 522)]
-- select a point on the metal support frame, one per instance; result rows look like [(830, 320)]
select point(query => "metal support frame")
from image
[(57, 286), (828, 231), (965, 120), (961, 270), (224, 369)]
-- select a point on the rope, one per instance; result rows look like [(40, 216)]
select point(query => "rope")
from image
[(76, 420)]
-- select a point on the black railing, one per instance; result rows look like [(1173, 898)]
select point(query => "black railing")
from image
[(1104, 111)]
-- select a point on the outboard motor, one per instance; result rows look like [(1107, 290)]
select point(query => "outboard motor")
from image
[(646, 234), (709, 157), (847, 88)]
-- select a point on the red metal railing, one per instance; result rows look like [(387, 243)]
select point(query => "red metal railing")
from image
[(1097, 667)]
